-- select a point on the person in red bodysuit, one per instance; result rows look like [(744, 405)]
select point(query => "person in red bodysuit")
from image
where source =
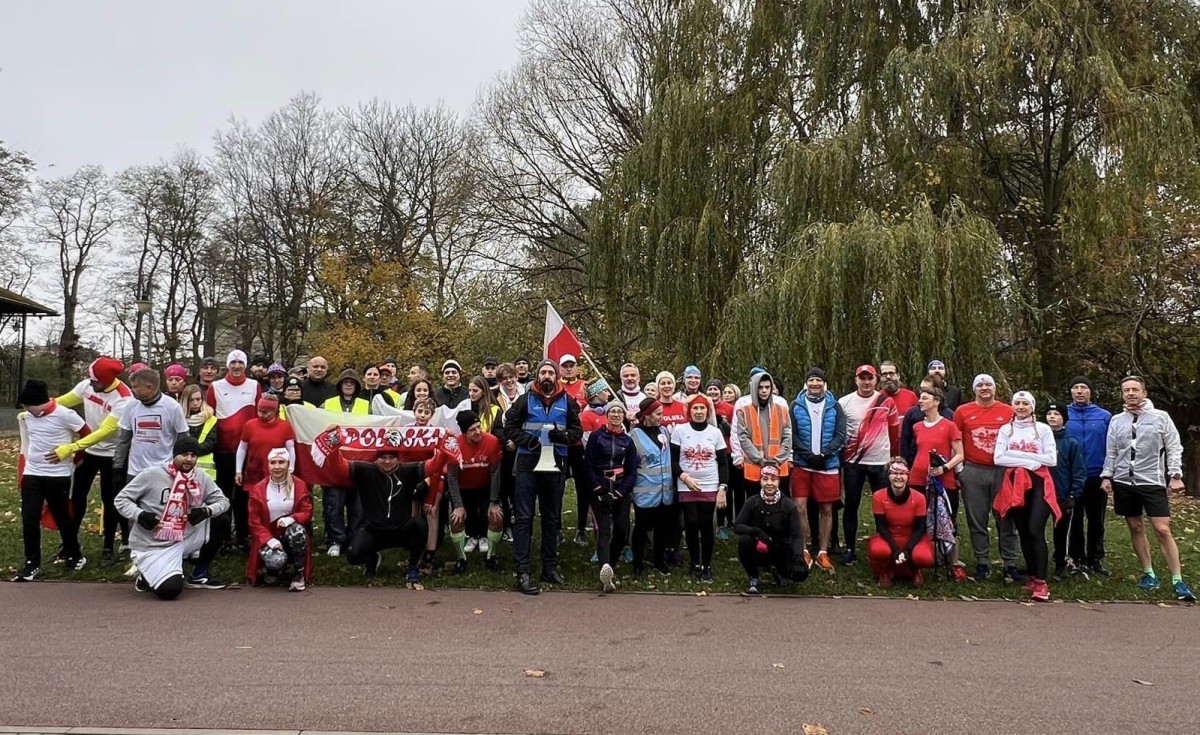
[(900, 547)]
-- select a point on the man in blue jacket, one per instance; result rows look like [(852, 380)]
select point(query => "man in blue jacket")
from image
[(1088, 424), (818, 435), (1069, 477)]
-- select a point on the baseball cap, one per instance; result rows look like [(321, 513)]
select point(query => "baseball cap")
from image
[(567, 358), (869, 369), (491, 361)]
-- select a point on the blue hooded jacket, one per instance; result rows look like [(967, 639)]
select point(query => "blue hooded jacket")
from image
[(1088, 425), (833, 433), (1070, 473)]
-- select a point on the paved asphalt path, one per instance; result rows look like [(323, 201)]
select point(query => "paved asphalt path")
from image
[(388, 659)]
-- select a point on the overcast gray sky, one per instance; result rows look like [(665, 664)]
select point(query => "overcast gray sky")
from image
[(124, 83)]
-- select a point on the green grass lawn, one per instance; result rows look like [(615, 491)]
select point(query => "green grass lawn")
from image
[(582, 575)]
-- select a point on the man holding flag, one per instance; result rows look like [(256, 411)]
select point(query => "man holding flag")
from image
[(546, 406)]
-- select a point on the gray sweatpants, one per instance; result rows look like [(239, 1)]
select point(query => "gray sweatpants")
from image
[(979, 485)]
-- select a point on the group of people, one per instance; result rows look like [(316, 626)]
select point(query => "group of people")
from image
[(658, 468)]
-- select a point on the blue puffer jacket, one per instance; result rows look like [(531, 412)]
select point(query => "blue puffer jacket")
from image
[(1088, 425), (1070, 473), (833, 433)]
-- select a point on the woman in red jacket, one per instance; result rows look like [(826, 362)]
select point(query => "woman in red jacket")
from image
[(280, 511)]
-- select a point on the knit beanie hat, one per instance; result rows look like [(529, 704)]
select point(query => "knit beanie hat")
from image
[(276, 369), (815, 372), (595, 387), (614, 405), (1057, 408), (544, 363), (466, 419), (664, 374), (714, 382), (187, 444), (175, 370), (34, 393), (260, 360), (105, 370), (235, 356), (1081, 379), (691, 371), (1026, 395), (292, 382)]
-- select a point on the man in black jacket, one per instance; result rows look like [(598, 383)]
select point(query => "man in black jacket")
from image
[(452, 391), (387, 490), (769, 532), (547, 405), (314, 388)]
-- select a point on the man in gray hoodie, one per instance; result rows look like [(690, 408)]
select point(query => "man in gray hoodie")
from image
[(176, 512)]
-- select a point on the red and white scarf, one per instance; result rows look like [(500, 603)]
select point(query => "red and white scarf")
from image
[(184, 490)]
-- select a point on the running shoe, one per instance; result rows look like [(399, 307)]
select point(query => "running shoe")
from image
[(959, 573), (29, 573), (982, 573), (808, 560), (581, 538), (297, 584), (1148, 582), (140, 584), (1012, 576), (484, 546), (606, 578), (460, 567), (595, 557), (722, 534), (200, 579), (471, 546), (373, 564), (492, 563), (1183, 593), (752, 588), (75, 564), (627, 555), (108, 557), (849, 558), (706, 575), (334, 550), (1040, 591), (823, 561)]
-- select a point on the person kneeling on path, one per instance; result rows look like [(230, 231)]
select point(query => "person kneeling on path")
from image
[(281, 508), (900, 547), (387, 496), (472, 485), (612, 463), (177, 511), (770, 533)]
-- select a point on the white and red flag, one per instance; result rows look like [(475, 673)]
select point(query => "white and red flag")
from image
[(558, 339)]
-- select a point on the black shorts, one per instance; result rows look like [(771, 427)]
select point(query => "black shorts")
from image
[(1131, 501)]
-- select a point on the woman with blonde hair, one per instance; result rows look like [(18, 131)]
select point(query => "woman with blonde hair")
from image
[(280, 509), (202, 425)]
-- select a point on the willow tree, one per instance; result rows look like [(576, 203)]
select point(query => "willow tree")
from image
[(1053, 121)]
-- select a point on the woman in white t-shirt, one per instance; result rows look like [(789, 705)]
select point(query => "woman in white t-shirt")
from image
[(699, 462)]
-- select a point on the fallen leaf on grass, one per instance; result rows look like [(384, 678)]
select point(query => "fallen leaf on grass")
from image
[(935, 663), (866, 711), (1143, 682), (1026, 604), (477, 611), (535, 673), (1163, 604), (814, 730), (911, 597), (702, 593), (777, 665)]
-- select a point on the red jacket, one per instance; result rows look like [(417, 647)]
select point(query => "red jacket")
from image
[(1016, 481), (262, 530)]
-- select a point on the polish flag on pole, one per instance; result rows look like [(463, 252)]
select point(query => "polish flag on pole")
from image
[(558, 339)]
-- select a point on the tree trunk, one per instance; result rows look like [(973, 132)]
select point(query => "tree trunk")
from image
[(1191, 460)]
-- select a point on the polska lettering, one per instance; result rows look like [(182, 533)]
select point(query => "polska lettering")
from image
[(393, 437)]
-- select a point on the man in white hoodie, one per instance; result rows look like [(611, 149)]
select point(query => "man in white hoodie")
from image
[(1144, 459)]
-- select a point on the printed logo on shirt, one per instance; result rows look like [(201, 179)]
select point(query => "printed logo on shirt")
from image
[(697, 457), (984, 438), (1024, 445), (148, 429)]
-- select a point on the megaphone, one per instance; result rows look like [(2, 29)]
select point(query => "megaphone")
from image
[(546, 462)]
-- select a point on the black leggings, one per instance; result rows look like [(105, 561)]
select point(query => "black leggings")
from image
[(698, 525), (612, 527), (81, 485), (411, 537), (853, 476), (583, 493), (1030, 520), (656, 521)]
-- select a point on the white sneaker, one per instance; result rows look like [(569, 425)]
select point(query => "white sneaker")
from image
[(484, 546), (606, 578), (297, 584), (334, 550), (471, 546)]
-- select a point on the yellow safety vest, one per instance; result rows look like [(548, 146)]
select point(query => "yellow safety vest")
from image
[(359, 406), (206, 463)]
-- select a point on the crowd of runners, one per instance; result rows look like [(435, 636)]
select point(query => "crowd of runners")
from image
[(192, 466)]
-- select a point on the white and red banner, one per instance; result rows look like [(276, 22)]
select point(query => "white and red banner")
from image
[(558, 339), (357, 437)]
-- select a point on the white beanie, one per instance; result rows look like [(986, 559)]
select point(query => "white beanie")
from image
[(982, 378), (1026, 395), (235, 356)]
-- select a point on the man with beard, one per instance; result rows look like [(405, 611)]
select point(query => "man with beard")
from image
[(258, 369), (546, 406), (177, 512), (889, 382), (233, 400), (953, 392), (314, 388), (980, 479), (631, 389), (452, 391)]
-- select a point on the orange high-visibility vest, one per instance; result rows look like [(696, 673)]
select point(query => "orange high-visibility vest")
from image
[(769, 448)]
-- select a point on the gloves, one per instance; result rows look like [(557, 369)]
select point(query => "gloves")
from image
[(285, 521), (817, 461), (1068, 504), (65, 451), (198, 514), (901, 558), (762, 535), (274, 543), (557, 436), (147, 520)]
